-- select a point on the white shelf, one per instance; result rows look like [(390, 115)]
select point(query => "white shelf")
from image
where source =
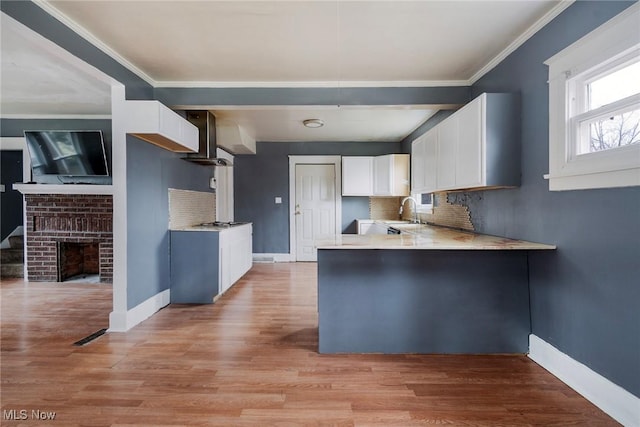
[(63, 188)]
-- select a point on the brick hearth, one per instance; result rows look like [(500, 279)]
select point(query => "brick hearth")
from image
[(51, 219)]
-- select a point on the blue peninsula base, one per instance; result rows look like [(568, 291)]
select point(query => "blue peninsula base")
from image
[(423, 301)]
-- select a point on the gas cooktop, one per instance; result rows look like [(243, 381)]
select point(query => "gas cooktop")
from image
[(221, 224)]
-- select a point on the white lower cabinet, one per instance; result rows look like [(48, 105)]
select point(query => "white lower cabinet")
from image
[(235, 254)]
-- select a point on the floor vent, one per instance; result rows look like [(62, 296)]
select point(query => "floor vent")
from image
[(90, 338), (264, 259)]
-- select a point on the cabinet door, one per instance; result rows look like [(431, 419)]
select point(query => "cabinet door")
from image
[(247, 249), (363, 227), (382, 174), (418, 163), (357, 176), (225, 261), (470, 153), (377, 228), (447, 149), (430, 162)]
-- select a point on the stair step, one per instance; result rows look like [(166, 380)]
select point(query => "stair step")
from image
[(11, 256), (11, 270), (16, 242)]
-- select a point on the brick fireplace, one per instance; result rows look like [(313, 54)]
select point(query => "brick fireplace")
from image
[(67, 235)]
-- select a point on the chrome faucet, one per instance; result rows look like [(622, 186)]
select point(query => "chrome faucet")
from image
[(415, 208)]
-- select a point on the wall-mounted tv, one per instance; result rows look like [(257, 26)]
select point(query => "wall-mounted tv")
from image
[(67, 157)]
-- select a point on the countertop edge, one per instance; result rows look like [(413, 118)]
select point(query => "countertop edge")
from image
[(431, 237)]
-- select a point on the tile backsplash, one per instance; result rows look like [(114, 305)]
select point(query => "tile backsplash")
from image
[(384, 208), (444, 213), (188, 208)]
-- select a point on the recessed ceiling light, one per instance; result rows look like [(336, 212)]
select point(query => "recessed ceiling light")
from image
[(313, 123)]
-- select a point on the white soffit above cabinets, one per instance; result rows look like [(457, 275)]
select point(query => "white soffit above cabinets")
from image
[(185, 43)]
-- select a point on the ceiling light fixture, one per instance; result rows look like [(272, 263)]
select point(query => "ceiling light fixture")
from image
[(313, 123)]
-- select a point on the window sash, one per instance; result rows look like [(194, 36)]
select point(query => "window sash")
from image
[(579, 124), (579, 85)]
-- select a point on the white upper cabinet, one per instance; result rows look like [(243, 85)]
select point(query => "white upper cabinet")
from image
[(391, 175), (447, 152), (424, 151), (471, 145), (158, 124), (418, 162), (357, 176), (386, 175), (476, 147), (430, 160)]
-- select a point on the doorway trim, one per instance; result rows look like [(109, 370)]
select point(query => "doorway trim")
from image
[(312, 160)]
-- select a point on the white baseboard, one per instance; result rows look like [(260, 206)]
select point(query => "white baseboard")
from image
[(123, 321), (268, 258), (618, 403)]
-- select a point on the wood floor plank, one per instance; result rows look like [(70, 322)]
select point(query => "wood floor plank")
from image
[(249, 360)]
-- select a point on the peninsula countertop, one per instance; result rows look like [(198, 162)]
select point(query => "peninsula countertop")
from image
[(428, 237)]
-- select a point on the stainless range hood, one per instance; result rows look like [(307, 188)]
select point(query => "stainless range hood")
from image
[(206, 124)]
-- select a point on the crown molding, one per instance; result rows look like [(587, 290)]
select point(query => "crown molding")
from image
[(529, 32), (87, 35)]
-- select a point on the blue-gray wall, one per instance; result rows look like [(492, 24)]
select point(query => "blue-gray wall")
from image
[(151, 171), (584, 296), (259, 178), (313, 96)]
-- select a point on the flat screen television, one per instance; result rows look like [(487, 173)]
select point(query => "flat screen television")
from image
[(67, 157)]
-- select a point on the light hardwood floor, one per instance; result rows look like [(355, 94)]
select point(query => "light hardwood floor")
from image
[(250, 359)]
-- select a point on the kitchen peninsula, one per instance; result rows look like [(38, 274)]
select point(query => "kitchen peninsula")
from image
[(428, 290)]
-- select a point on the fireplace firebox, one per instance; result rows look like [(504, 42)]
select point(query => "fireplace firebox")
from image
[(77, 260)]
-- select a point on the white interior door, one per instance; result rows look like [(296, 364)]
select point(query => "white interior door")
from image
[(315, 203)]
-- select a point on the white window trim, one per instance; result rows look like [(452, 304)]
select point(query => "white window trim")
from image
[(617, 38)]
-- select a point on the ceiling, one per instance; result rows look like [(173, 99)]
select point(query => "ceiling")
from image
[(36, 82), (324, 43)]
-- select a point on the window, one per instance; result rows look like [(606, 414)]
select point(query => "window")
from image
[(425, 202), (607, 104), (594, 108)]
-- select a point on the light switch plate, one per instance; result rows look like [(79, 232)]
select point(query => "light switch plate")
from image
[(278, 200)]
